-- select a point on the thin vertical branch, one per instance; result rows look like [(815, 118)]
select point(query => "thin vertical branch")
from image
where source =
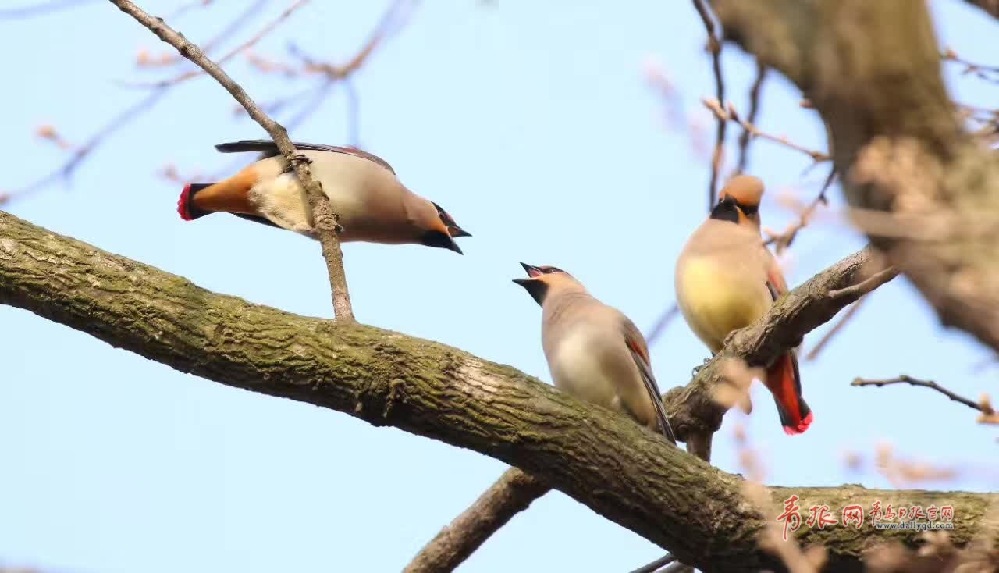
[(754, 109), (836, 328), (322, 218), (661, 323), (714, 48)]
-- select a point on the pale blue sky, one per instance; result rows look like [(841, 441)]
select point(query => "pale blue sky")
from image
[(532, 124)]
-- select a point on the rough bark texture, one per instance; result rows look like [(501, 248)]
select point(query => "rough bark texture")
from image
[(872, 71), (693, 412), (622, 471)]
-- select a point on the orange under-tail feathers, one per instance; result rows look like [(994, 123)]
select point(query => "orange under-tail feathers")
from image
[(230, 195), (784, 383)]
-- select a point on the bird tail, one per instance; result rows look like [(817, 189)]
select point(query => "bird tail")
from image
[(186, 206), (662, 419), (784, 382)]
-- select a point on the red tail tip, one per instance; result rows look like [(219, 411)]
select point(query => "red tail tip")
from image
[(185, 197), (800, 428)]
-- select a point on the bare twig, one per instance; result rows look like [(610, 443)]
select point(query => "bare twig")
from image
[(661, 323), (854, 292), (80, 152), (754, 110), (310, 106), (183, 8), (42, 9), (324, 222), (391, 22), (68, 168), (905, 379), (267, 29), (782, 241), (147, 61), (987, 73), (512, 493), (836, 328), (656, 565), (714, 48), (729, 113), (676, 567)]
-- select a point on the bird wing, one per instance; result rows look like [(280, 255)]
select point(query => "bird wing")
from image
[(775, 277), (268, 148), (640, 352)]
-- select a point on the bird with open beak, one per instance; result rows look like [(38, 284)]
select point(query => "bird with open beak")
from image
[(363, 189), (726, 279), (593, 350)]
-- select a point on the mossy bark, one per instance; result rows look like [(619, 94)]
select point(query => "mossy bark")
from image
[(622, 471)]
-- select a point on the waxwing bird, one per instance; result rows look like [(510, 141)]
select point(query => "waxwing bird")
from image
[(726, 279), (593, 350), (373, 205)]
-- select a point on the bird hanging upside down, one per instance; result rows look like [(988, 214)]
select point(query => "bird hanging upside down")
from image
[(726, 279), (363, 189)]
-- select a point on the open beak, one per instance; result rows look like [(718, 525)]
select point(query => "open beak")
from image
[(453, 246), (456, 232), (532, 271)]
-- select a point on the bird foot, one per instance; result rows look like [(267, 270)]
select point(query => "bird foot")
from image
[(301, 159), (700, 367)]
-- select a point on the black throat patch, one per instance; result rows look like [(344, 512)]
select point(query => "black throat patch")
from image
[(537, 289), (726, 210)]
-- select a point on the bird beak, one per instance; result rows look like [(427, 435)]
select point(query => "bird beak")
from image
[(453, 246), (456, 232), (532, 271)]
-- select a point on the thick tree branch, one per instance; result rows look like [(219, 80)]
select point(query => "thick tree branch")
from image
[(872, 71), (622, 471), (809, 306), (324, 221)]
